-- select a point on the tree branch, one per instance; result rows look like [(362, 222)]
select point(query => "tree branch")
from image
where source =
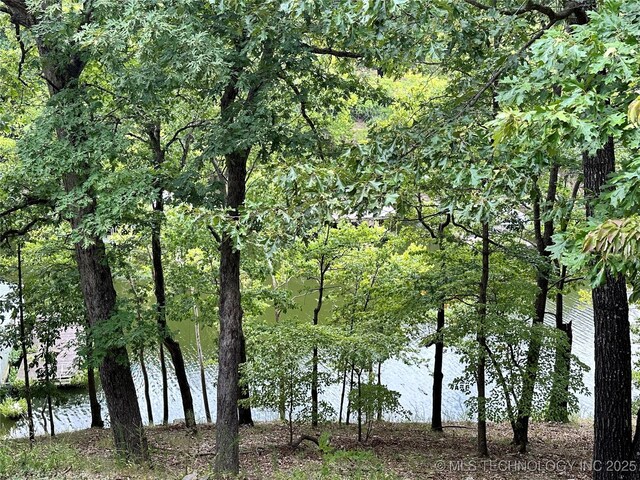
[(188, 126), (214, 233), (309, 438), (303, 112), (19, 232), (500, 70), (530, 6), (332, 52), (27, 203)]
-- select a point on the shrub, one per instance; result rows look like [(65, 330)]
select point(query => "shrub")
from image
[(12, 408)]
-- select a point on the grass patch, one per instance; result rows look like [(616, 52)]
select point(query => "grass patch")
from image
[(18, 461)]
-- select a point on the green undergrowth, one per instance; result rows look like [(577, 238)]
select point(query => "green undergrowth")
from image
[(18, 461), (60, 458)]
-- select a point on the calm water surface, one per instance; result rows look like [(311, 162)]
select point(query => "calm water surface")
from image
[(414, 382)]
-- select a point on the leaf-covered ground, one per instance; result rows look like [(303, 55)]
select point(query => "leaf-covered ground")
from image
[(407, 451)]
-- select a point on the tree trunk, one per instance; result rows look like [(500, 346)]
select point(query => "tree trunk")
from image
[(23, 346), (165, 386), (314, 358), (379, 383), (543, 241), (94, 404), (612, 409), (436, 413), (62, 73), (145, 380), (359, 406), (96, 409), (173, 347), (244, 409), (558, 409), (483, 450), (343, 391), (348, 414), (203, 379), (115, 372), (50, 385), (227, 459)]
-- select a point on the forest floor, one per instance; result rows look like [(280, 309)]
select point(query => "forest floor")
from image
[(394, 451)]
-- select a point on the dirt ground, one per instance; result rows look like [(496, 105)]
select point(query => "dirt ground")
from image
[(403, 451)]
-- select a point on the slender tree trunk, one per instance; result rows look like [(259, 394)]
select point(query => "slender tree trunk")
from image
[(145, 380), (172, 346), (359, 406), (314, 359), (482, 344), (227, 459), (436, 413), (282, 393), (348, 414), (203, 380), (543, 241), (343, 391), (244, 409), (23, 345), (50, 385), (612, 409), (558, 409), (379, 383), (94, 404), (436, 404), (165, 386), (50, 410)]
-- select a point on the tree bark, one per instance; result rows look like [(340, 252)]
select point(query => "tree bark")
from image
[(172, 346), (227, 422), (436, 412), (165, 386), (115, 372), (23, 346), (558, 409), (244, 409), (612, 409), (203, 379), (314, 358), (483, 450), (94, 404), (49, 383), (145, 380), (543, 241)]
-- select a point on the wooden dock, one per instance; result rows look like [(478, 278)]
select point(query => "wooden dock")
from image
[(66, 352)]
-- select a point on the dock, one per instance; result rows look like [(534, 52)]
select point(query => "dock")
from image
[(66, 351)]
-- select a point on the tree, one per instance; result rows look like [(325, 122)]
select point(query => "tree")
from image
[(591, 120), (62, 64)]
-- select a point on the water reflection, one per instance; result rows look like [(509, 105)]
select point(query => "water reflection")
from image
[(414, 382)]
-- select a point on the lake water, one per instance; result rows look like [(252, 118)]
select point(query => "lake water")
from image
[(414, 382)]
